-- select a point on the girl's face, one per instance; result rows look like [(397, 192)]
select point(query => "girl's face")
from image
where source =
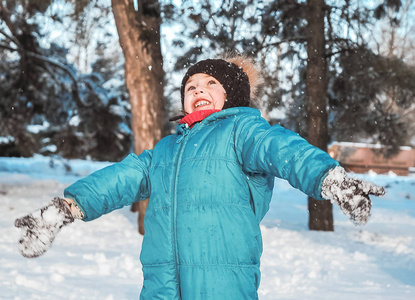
[(203, 92)]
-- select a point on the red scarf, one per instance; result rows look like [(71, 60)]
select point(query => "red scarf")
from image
[(197, 116)]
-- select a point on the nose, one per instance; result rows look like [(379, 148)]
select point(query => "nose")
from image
[(199, 90)]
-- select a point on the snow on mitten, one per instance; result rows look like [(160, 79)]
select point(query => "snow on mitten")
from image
[(40, 227), (351, 194)]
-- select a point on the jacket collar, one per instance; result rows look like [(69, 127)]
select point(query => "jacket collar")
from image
[(231, 112), (220, 115), (197, 116)]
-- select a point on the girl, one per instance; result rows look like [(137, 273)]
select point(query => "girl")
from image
[(209, 186)]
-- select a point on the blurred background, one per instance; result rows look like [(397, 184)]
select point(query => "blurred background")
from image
[(96, 79), (85, 82)]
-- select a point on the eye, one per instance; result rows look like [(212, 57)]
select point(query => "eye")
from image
[(212, 82), (190, 88)]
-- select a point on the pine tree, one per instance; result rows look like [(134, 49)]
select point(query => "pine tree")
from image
[(48, 107)]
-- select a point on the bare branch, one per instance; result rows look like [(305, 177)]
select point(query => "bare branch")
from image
[(5, 16), (8, 48), (11, 38), (344, 50), (409, 110), (295, 39), (63, 67)]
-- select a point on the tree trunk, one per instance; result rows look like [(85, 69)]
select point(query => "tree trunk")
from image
[(139, 37), (321, 212)]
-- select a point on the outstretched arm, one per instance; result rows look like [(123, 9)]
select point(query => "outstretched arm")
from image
[(113, 187), (102, 192), (284, 154)]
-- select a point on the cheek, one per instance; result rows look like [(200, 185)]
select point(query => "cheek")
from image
[(221, 97), (186, 102)]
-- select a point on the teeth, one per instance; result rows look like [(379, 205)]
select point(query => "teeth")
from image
[(200, 103)]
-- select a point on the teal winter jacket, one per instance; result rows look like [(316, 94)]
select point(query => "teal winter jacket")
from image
[(209, 188)]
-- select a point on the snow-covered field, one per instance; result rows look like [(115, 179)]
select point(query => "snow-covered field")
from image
[(100, 259)]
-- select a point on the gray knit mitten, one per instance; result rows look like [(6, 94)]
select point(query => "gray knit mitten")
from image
[(40, 227), (351, 194)]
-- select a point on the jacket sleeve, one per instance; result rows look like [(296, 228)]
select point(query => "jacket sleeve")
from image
[(113, 187), (281, 153)]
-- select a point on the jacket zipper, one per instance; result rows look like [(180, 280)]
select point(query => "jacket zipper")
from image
[(182, 141)]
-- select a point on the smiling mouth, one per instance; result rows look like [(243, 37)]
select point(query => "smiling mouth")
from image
[(201, 103)]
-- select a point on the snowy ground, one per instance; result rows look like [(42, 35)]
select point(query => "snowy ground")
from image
[(99, 259)]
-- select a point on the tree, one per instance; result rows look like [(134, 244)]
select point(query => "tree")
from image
[(139, 37), (321, 212)]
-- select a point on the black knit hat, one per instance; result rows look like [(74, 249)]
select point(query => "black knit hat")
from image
[(233, 79)]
